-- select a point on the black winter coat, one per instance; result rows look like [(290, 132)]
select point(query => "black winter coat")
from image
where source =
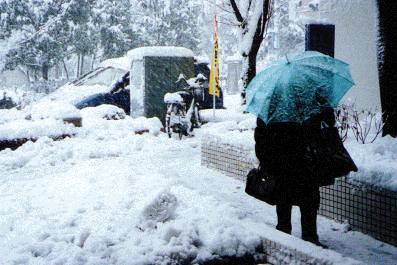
[(279, 148)]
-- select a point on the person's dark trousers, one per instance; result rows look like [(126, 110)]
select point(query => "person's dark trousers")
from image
[(307, 197), (284, 217), (308, 220), (309, 223)]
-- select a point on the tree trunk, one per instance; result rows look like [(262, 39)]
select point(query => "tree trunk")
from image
[(93, 61), (57, 71), (44, 70), (66, 69), (78, 66), (261, 26), (256, 45), (250, 71), (82, 65), (387, 57)]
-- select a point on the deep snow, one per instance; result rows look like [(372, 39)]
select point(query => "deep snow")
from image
[(108, 196)]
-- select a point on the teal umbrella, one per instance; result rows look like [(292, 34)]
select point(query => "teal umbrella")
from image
[(297, 88)]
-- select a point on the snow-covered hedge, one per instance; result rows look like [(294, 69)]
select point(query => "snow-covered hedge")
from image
[(53, 109), (30, 129), (376, 162), (106, 116)]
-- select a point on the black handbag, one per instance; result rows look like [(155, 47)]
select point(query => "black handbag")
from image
[(262, 186), (325, 156)]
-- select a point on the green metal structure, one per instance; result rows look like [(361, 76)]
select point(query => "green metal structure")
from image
[(154, 76)]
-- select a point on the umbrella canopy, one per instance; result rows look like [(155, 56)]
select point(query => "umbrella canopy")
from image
[(297, 88)]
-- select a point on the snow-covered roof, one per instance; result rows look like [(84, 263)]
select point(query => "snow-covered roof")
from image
[(159, 51), (123, 63)]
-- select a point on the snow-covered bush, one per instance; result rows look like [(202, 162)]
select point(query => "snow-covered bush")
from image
[(25, 129), (152, 125), (365, 125), (7, 115), (20, 98), (53, 109)]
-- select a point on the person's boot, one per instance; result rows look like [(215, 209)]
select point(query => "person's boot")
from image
[(314, 240), (284, 218), (309, 225), (285, 229), (318, 243)]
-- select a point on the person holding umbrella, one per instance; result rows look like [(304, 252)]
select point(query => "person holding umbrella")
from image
[(296, 139)]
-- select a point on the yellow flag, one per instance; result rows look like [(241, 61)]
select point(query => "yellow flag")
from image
[(214, 87)]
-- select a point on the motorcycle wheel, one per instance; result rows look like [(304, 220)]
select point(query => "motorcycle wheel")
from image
[(197, 117), (180, 133)]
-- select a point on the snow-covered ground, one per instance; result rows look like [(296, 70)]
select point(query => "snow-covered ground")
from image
[(109, 196)]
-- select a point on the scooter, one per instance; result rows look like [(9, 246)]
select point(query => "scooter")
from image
[(182, 114)]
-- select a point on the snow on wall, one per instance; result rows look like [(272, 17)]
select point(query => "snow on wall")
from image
[(158, 51), (356, 27)]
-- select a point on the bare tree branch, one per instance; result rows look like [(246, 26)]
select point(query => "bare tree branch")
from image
[(220, 7), (265, 16), (237, 13)]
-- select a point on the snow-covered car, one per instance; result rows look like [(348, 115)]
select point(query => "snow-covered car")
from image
[(107, 84), (118, 95)]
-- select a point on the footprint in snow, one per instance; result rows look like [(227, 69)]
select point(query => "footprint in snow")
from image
[(83, 237), (161, 209)]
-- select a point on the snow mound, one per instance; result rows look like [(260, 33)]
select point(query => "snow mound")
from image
[(53, 109), (248, 124), (159, 51), (25, 129), (7, 115), (153, 125), (104, 111)]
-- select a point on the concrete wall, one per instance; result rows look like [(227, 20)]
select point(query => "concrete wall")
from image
[(356, 27)]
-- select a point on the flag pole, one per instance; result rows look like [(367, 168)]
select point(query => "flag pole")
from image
[(214, 76)]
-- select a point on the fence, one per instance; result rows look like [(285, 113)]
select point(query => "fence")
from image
[(366, 209)]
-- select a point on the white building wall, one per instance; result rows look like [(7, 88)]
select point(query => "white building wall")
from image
[(356, 27)]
